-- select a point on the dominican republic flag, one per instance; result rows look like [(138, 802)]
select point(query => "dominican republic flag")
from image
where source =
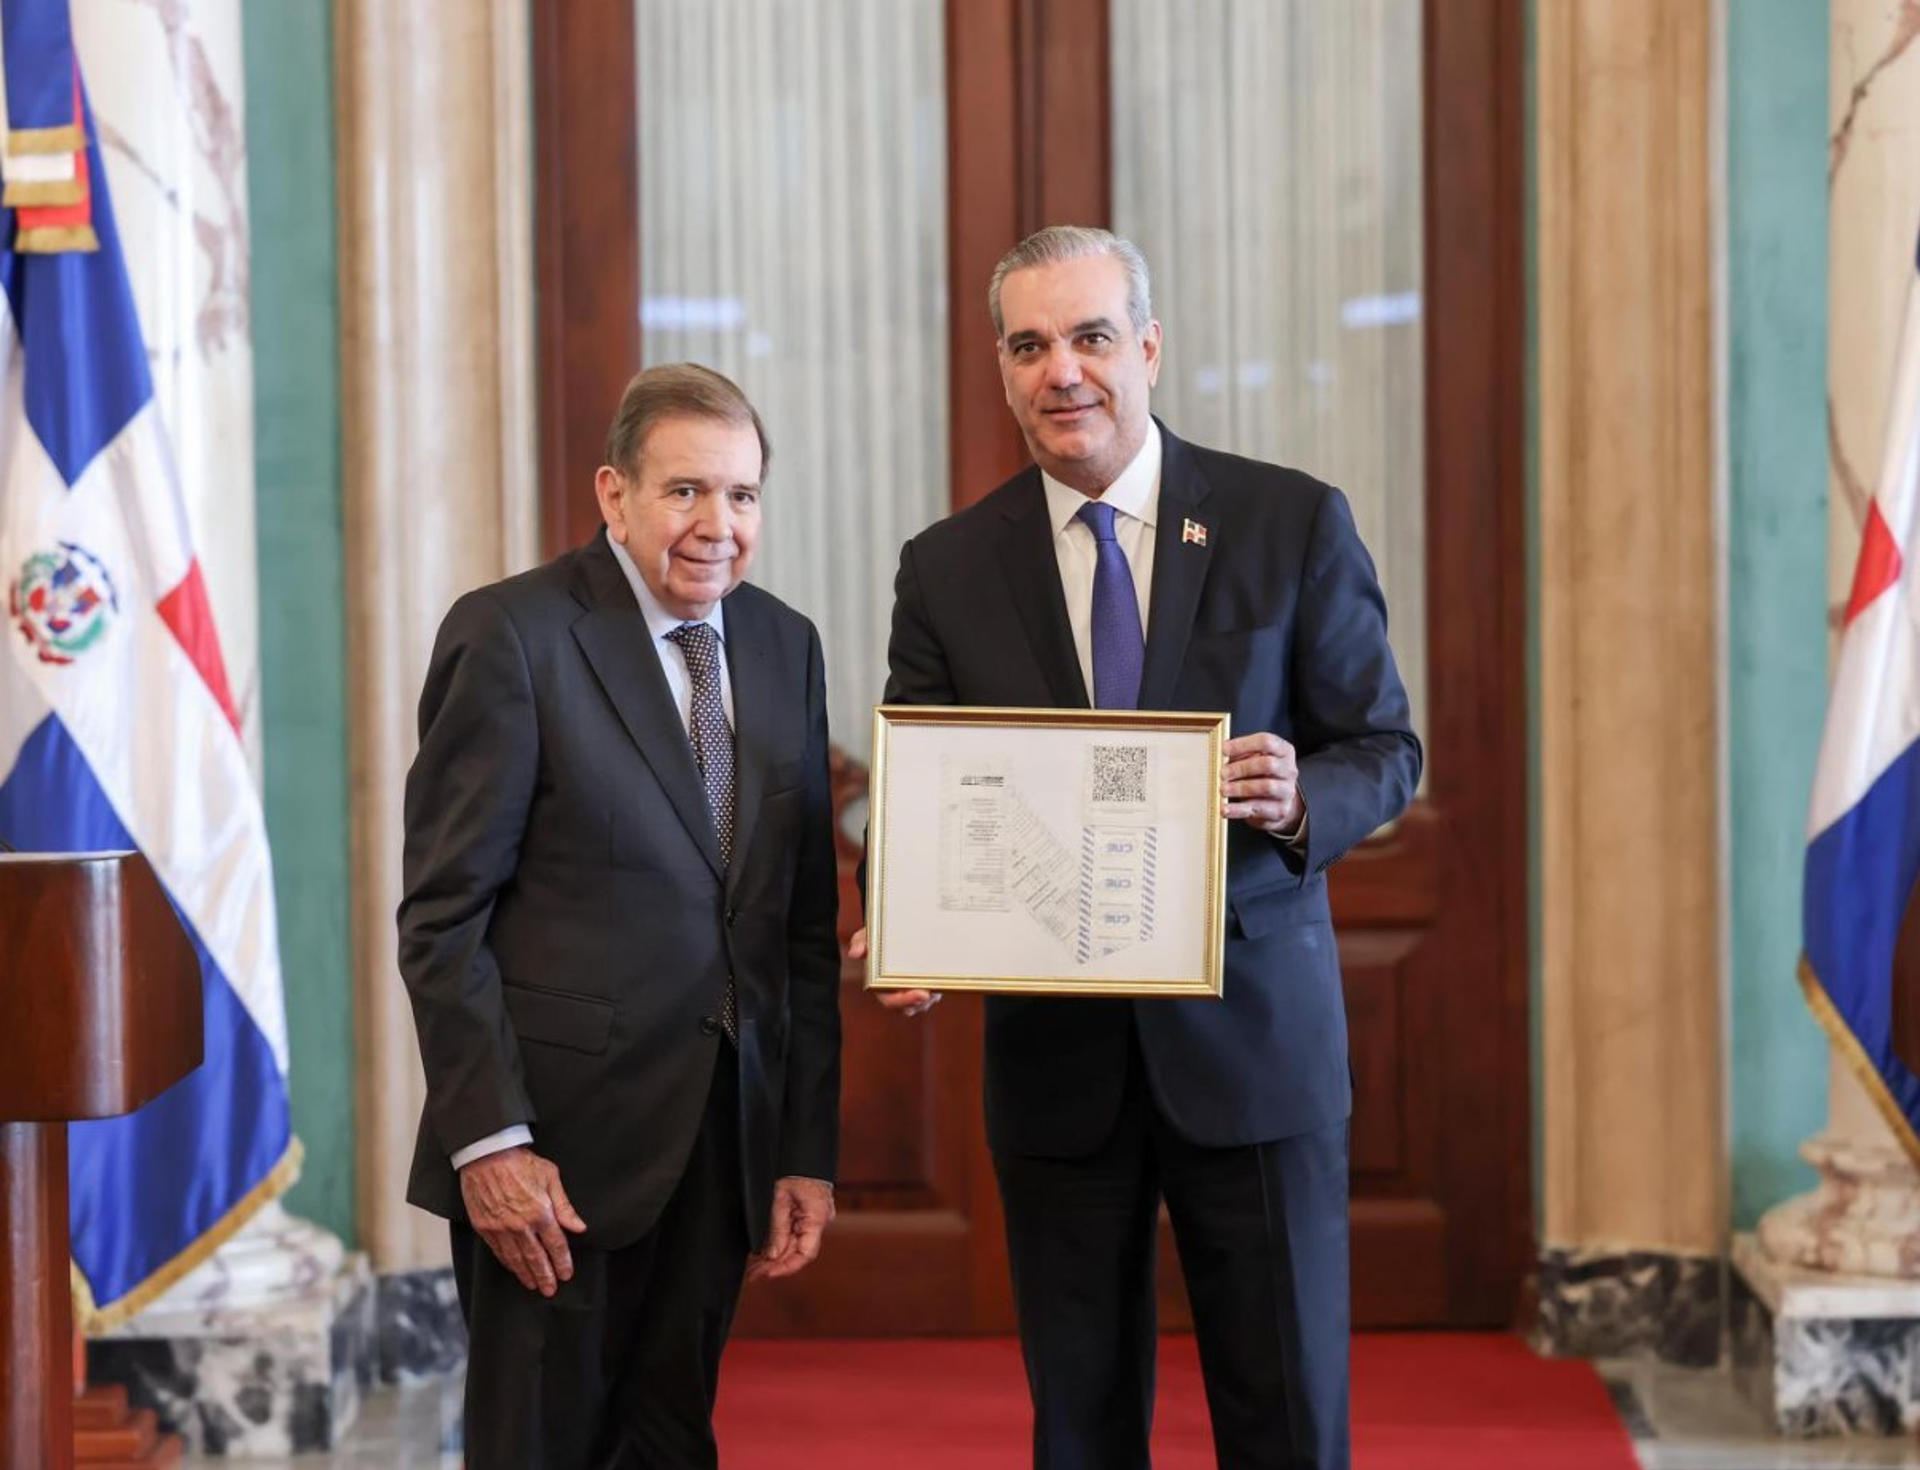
[(117, 730), (1863, 850)]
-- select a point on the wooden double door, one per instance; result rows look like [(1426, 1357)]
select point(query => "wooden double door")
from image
[(1431, 915)]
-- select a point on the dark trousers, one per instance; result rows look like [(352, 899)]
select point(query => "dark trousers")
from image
[(1262, 1233), (618, 1370)]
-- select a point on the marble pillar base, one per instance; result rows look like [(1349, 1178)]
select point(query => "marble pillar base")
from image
[(1822, 1353), (422, 1335), (1861, 1219), (1630, 1304), (257, 1380)]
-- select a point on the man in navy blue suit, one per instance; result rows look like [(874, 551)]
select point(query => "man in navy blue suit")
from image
[(1129, 569)]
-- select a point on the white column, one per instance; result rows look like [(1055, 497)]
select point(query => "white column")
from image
[(1630, 1010), (436, 265)]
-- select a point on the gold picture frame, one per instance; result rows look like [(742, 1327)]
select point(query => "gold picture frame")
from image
[(1046, 851)]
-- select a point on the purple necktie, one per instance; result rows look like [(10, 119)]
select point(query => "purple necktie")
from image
[(1118, 648)]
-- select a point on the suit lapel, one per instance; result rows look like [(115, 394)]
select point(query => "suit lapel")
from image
[(613, 636), (1033, 571), (1179, 570), (749, 667)]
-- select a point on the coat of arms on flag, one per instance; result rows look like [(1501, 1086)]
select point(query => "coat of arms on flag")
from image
[(1863, 849), (61, 602), (116, 726)]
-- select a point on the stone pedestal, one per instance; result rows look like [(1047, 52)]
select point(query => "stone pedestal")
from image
[(1822, 1352), (266, 1350), (1864, 1216), (1825, 1300), (421, 1334)]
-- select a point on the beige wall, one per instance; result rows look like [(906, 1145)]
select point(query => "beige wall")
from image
[(1632, 1127)]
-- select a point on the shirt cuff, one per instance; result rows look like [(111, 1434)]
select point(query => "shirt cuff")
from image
[(1297, 838), (517, 1135)]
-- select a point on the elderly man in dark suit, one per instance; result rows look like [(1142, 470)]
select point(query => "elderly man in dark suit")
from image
[(1128, 569), (618, 936)]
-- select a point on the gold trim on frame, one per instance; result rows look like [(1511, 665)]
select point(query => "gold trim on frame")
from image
[(1214, 726)]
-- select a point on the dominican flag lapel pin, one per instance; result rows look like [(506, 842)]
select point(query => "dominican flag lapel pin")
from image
[(1194, 532)]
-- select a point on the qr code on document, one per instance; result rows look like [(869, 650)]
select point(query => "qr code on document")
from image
[(1119, 775)]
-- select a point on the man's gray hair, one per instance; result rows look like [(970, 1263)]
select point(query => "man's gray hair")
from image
[(1057, 243), (678, 390)]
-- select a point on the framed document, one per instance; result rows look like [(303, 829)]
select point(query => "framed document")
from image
[(1046, 852)]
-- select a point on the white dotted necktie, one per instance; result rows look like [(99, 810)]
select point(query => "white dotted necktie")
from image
[(713, 748)]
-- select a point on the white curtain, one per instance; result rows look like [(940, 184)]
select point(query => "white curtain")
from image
[(1266, 158), (793, 236)]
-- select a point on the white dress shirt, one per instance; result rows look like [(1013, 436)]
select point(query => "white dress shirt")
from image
[(1135, 498), (673, 663)]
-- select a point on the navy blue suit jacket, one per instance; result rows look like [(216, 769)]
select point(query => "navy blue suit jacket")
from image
[(1277, 618)]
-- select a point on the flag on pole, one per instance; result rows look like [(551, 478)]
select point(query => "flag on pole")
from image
[(117, 728), (1863, 850), (43, 160)]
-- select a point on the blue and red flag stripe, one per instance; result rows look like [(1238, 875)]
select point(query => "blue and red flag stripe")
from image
[(1863, 848)]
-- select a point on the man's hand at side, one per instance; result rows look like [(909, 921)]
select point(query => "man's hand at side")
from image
[(906, 1002), (515, 1202), (801, 1210), (1260, 784)]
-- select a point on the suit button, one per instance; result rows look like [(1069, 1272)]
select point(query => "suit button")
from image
[(709, 1025), (732, 914)]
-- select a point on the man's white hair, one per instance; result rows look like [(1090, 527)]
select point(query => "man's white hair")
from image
[(1058, 243)]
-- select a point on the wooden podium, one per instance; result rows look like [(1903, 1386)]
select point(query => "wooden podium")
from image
[(100, 1007)]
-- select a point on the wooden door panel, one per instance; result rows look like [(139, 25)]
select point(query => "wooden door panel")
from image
[(885, 1097), (1431, 914), (1376, 1042), (1399, 1263), (882, 1273)]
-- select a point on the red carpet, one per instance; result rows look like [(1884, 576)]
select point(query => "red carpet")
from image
[(1421, 1401)]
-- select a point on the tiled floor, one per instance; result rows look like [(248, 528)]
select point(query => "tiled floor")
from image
[(1680, 1420), (398, 1429), (1693, 1419)]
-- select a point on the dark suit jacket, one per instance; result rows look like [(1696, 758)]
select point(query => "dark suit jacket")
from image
[(567, 930), (1277, 618)]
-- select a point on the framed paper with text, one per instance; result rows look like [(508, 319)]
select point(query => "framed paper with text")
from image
[(1045, 851)]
